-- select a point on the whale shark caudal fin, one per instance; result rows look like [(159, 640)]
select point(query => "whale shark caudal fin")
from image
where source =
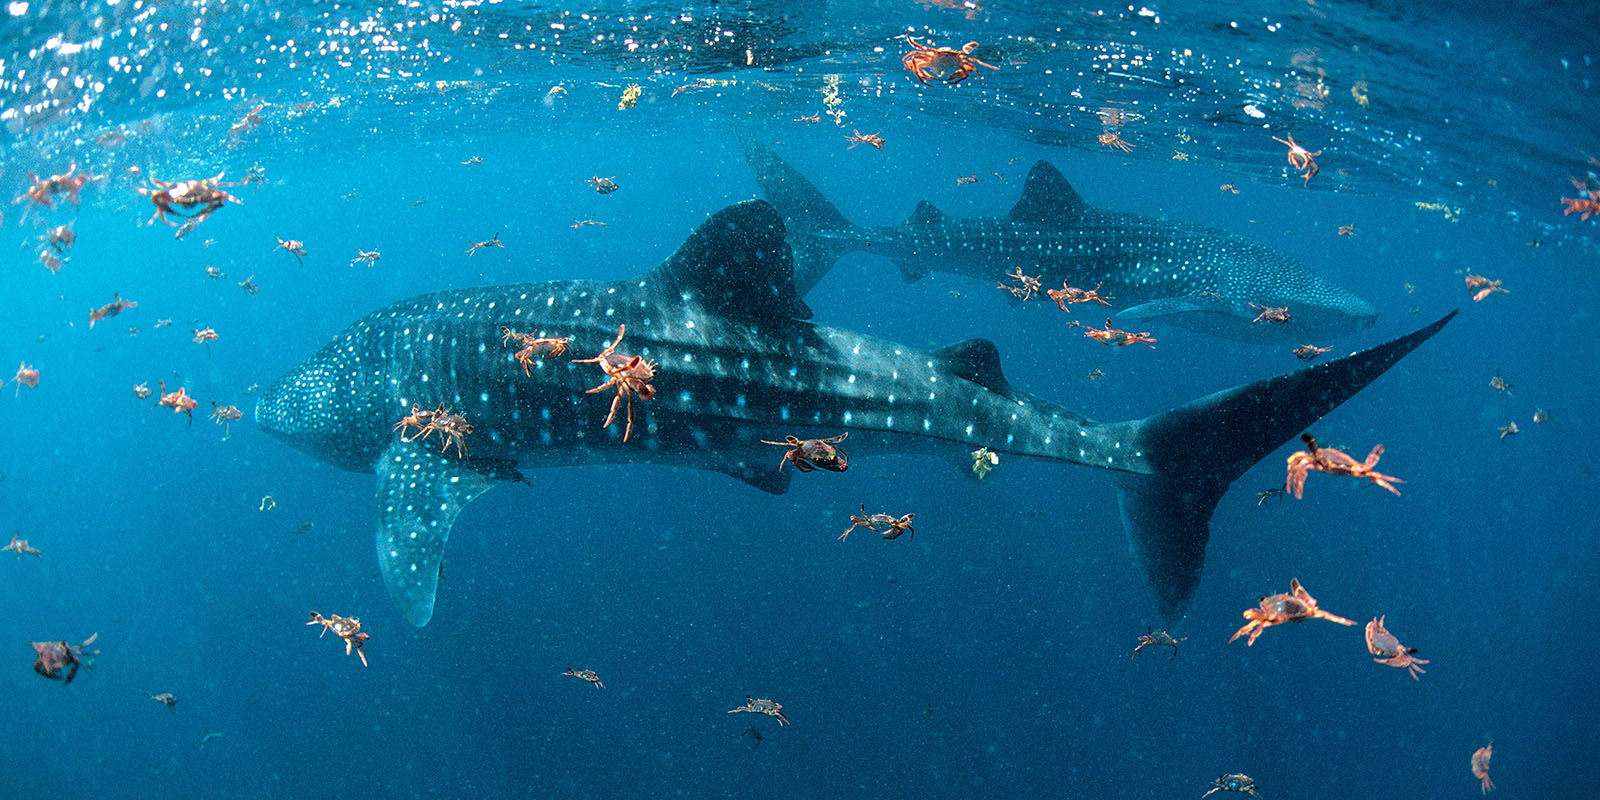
[(819, 234), (1198, 449)]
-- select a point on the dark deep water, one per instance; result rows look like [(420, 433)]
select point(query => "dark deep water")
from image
[(989, 656)]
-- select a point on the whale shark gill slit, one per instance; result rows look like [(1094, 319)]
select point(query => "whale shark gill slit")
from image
[(731, 373)]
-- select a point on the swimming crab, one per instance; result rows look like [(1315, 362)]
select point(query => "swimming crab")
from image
[(346, 628), (1334, 462), (630, 375), (1235, 782), (1382, 643), (754, 705), (206, 194), (1296, 605), (810, 455), (56, 656), (942, 64)]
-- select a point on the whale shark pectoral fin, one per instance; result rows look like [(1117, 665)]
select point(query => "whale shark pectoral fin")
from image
[(1048, 200), (420, 492), (764, 476)]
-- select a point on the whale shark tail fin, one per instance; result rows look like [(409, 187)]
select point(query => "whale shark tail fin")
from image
[(1197, 450), (818, 233)]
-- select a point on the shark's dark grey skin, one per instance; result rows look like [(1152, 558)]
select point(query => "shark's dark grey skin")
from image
[(1188, 275), (737, 362)]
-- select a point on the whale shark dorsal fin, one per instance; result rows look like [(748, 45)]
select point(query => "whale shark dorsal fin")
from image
[(737, 264), (924, 215), (977, 360), (1047, 198), (420, 492)]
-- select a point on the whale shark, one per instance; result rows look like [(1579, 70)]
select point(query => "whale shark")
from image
[(738, 361), (1200, 278)]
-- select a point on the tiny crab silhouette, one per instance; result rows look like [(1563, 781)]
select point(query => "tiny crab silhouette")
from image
[(858, 138), (492, 242), (180, 402), (1334, 462), (1235, 782), (754, 705), (533, 347), (1480, 766), (631, 375), (295, 247), (1295, 605), (56, 656), (346, 628), (1482, 287), (111, 309), (225, 415), (20, 546), (1067, 295), (167, 699), (1153, 638), (1309, 352), (1279, 315), (810, 455), (586, 674), (604, 185), (1026, 286), (1384, 645), (1112, 337), (1300, 157), (893, 527)]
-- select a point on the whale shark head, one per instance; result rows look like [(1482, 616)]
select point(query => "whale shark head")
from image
[(327, 407)]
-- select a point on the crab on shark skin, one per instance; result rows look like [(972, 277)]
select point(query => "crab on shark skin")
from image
[(737, 357), (1159, 270)]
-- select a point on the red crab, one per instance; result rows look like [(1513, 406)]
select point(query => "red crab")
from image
[(207, 194), (942, 63), (810, 455), (630, 375), (56, 656)]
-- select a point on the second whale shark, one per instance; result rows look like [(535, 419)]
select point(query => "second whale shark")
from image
[(1193, 276), (738, 362)]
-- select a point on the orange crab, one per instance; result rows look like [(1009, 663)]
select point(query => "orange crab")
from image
[(44, 191), (762, 706), (1027, 286), (451, 427), (207, 194), (1067, 295), (26, 376), (1482, 287), (1296, 605), (1384, 645), (534, 347), (493, 242), (180, 402), (1480, 766), (1300, 157), (859, 138), (1278, 315), (56, 656), (204, 335), (630, 375), (586, 674), (942, 63), (1586, 206), (1309, 352), (810, 455), (1111, 138), (346, 628), (1334, 462), (111, 309), (1112, 337), (20, 546)]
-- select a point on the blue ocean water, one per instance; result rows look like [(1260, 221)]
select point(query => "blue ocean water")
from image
[(987, 657)]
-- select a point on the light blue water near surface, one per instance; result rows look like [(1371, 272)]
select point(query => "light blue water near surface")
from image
[(989, 656)]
